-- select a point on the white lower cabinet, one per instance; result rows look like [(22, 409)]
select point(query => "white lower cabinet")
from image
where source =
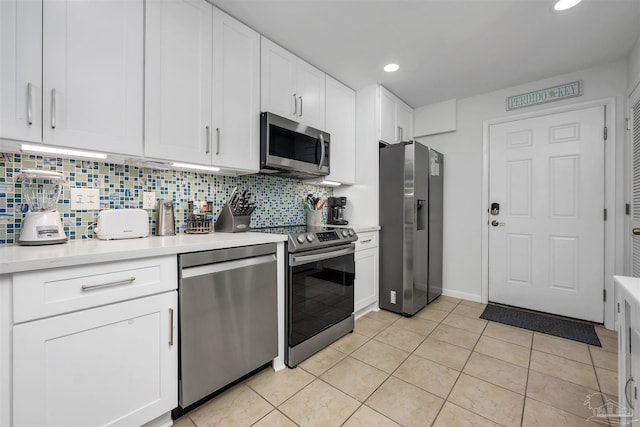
[(628, 349), (366, 283), (113, 365)]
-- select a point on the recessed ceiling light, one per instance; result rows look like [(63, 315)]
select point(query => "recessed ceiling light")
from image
[(565, 4), (390, 68)]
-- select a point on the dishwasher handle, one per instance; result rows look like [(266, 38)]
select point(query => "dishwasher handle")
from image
[(203, 270)]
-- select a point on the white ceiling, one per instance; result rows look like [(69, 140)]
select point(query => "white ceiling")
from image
[(446, 48)]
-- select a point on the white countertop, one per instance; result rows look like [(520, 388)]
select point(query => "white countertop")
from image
[(76, 252), (629, 287)]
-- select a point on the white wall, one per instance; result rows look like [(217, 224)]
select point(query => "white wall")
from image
[(463, 204), (634, 67)]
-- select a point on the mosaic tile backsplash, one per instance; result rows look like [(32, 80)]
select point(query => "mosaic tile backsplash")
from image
[(278, 200)]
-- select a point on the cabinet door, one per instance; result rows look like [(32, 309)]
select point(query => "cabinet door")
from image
[(278, 81), (310, 89), (388, 118), (404, 115), (178, 80), (92, 74), (236, 94), (366, 284), (112, 365), (341, 125), (21, 70)]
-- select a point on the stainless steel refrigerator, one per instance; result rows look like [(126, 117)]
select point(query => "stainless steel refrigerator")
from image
[(411, 177)]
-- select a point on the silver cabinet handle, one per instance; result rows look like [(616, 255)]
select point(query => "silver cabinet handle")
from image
[(626, 394), (108, 284), (217, 141), (208, 136), (365, 241), (398, 132), (321, 152), (636, 231), (401, 134), (53, 108), (295, 105), (29, 104), (300, 98), (171, 327)]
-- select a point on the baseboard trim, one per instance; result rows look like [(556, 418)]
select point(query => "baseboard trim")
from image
[(462, 295)]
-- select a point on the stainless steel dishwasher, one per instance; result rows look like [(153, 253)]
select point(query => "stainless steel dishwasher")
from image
[(228, 317)]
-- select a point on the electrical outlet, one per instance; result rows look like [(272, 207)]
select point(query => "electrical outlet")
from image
[(393, 297), (85, 199), (148, 200)]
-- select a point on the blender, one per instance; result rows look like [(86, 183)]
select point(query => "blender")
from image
[(41, 191)]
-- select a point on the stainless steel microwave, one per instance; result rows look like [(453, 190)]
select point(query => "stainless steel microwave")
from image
[(292, 149)]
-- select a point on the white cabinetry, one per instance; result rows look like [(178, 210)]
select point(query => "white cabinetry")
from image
[(341, 125), (396, 118), (79, 362), (202, 86), (290, 87), (77, 78), (366, 284), (178, 80), (236, 94), (627, 293)]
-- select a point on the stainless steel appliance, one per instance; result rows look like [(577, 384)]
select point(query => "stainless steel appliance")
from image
[(337, 207), (292, 149), (166, 218), (228, 317), (319, 290), (411, 199)]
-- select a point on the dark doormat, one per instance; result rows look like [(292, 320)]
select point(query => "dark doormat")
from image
[(540, 323)]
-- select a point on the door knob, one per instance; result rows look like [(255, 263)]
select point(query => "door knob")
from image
[(636, 231), (495, 223)]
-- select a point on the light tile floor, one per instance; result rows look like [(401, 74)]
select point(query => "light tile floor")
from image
[(443, 367)]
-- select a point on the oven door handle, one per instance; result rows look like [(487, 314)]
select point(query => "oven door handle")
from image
[(305, 259)]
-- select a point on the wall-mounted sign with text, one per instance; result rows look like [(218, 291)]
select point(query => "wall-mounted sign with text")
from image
[(541, 96)]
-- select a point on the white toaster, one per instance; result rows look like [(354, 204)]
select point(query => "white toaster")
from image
[(122, 224)]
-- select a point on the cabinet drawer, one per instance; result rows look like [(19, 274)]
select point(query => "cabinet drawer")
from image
[(44, 293), (366, 241)]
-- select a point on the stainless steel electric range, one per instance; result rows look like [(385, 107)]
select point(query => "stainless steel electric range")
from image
[(319, 287)]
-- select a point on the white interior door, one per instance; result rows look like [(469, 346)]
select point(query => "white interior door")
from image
[(546, 242)]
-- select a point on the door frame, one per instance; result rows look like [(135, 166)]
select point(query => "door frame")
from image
[(609, 194)]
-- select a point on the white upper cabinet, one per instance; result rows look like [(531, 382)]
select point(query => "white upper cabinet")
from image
[(341, 125), (21, 70), (236, 94), (290, 87), (396, 118), (77, 80), (178, 80)]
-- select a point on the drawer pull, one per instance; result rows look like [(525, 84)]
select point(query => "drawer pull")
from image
[(171, 327), (366, 241), (108, 284)]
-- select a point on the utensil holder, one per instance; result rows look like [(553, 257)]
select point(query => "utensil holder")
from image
[(314, 218), (229, 223)]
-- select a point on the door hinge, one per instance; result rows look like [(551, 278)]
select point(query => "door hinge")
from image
[(606, 133), (605, 214), (627, 209), (604, 295), (628, 123), (618, 307)]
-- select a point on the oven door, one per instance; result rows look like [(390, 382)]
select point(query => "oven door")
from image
[(293, 148), (319, 291)]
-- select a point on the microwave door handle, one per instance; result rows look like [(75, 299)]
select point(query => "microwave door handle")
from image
[(321, 152)]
